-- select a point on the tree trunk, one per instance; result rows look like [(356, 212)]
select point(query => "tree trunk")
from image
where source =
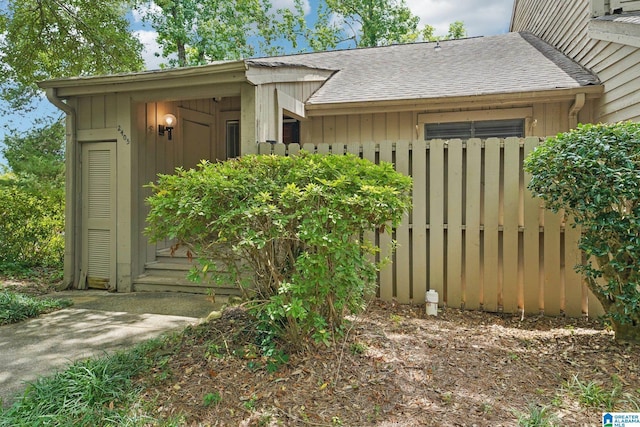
[(627, 333)]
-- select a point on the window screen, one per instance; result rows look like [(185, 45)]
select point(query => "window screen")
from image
[(482, 129)]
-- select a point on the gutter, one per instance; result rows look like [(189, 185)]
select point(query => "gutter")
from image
[(575, 109), (70, 179)]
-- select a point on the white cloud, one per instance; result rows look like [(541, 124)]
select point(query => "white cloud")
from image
[(151, 47), (138, 13), (480, 17)]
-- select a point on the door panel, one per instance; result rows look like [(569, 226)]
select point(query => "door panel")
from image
[(197, 139), (98, 215)]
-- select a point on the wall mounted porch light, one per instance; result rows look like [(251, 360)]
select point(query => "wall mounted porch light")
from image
[(169, 121)]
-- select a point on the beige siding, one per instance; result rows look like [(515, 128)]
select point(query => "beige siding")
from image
[(269, 112), (566, 26), (158, 155), (96, 112), (547, 119)]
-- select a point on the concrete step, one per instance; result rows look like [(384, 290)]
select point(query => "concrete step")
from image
[(152, 283), (168, 269)]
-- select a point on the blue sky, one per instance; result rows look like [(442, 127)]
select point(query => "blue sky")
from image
[(481, 17)]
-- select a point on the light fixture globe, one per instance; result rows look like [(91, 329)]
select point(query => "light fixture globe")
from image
[(169, 121)]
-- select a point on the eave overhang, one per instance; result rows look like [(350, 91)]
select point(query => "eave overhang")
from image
[(221, 73), (443, 103)]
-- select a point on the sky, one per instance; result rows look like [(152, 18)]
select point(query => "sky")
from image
[(480, 17)]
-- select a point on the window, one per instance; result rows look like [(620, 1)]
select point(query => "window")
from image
[(480, 129), (233, 138), (290, 130), (606, 7)]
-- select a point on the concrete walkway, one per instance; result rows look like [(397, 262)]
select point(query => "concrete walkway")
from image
[(98, 322)]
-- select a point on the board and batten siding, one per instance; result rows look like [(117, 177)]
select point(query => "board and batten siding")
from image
[(547, 119), (269, 111), (158, 155), (565, 25)]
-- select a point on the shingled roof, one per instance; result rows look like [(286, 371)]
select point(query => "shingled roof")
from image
[(506, 63)]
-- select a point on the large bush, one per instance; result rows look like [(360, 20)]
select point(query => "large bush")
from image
[(31, 227), (593, 173), (287, 230)]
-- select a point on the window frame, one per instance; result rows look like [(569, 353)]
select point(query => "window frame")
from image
[(523, 113)]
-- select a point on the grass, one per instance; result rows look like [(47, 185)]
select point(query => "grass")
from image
[(15, 307), (538, 416), (593, 395), (93, 392)]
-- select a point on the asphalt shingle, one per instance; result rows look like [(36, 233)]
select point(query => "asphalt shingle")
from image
[(506, 63)]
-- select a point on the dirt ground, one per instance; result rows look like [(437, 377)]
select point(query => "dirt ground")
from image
[(398, 367)]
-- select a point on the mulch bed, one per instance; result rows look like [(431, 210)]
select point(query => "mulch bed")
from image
[(396, 367)]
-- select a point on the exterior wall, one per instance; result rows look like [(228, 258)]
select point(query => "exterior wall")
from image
[(130, 129), (546, 119), (105, 120), (158, 155), (566, 26), (269, 110)]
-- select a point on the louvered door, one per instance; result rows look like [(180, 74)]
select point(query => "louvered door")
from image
[(98, 215)]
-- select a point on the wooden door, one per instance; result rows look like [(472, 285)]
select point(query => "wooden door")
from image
[(197, 139), (99, 198)]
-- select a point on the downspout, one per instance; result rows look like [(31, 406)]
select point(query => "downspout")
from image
[(575, 109), (70, 260)]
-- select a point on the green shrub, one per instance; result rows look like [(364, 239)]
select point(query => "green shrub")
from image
[(295, 223), (593, 173), (31, 228)]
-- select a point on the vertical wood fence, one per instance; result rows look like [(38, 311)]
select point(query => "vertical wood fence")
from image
[(475, 234)]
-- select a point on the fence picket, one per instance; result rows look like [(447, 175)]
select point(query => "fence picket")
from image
[(472, 277), (531, 243), (575, 302), (435, 262), (511, 189), (279, 149), (553, 289), (402, 256), (419, 219), (454, 224), (491, 235), (369, 153), (387, 291)]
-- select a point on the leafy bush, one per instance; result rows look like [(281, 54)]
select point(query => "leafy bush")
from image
[(31, 228), (593, 173), (285, 229)]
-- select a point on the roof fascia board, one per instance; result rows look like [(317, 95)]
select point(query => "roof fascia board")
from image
[(472, 101), (259, 75), (187, 93), (182, 77), (616, 32)]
